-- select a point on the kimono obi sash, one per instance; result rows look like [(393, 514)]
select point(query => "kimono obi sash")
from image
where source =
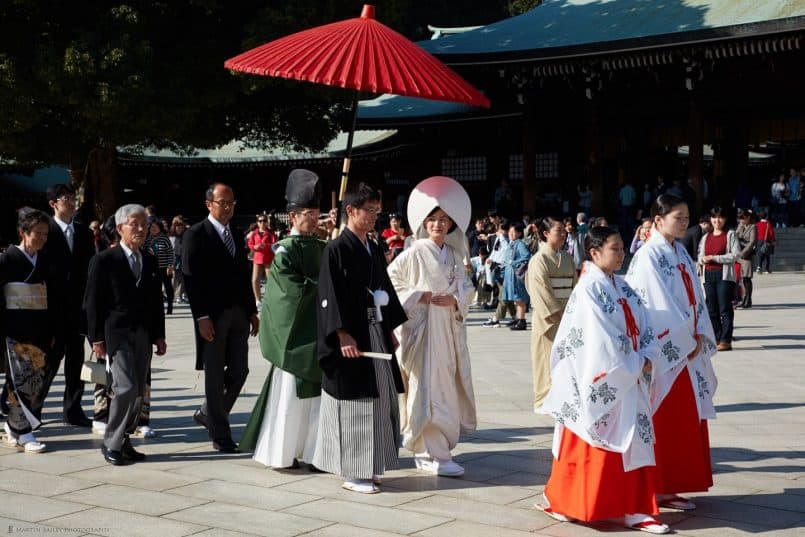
[(562, 287), (26, 296)]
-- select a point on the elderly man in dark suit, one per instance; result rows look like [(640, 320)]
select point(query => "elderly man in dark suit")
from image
[(125, 317), (68, 250), (218, 282)]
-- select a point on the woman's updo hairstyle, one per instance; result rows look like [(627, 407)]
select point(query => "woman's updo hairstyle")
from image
[(109, 230), (544, 225), (747, 213), (28, 218), (596, 238), (664, 204)]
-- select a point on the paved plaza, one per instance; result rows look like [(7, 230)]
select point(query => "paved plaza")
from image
[(186, 488)]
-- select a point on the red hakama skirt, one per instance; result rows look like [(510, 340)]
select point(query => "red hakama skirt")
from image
[(588, 483), (682, 447)]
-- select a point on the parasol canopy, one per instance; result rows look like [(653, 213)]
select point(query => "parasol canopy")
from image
[(360, 54)]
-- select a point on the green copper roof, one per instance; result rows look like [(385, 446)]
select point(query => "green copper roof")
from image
[(572, 27), (408, 107)]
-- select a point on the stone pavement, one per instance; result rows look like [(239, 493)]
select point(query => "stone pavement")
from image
[(186, 488)]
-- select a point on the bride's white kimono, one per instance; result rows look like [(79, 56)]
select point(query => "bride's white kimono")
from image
[(439, 403), (664, 276), (599, 390)]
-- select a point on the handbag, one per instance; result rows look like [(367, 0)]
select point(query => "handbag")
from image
[(767, 248), (93, 370), (520, 271)]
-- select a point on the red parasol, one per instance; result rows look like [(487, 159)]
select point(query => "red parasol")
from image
[(363, 55)]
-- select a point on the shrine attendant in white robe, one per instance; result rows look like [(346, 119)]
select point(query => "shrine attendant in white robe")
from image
[(602, 364), (664, 275), (435, 291)]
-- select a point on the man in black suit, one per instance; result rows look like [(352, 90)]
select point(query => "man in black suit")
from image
[(217, 277), (694, 234), (68, 250), (125, 318)]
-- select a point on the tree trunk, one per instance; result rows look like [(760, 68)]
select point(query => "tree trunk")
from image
[(101, 192), (78, 175)]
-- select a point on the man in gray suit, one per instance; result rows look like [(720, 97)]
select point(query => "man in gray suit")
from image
[(125, 318)]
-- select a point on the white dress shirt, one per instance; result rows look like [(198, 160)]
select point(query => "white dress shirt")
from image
[(219, 227), (68, 230)]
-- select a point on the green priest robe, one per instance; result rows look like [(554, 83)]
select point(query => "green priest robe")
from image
[(288, 323)]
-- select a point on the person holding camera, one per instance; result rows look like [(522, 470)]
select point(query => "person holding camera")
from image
[(395, 235)]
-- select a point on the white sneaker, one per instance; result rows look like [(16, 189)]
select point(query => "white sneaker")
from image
[(10, 438), (146, 431), (98, 427), (448, 468), (364, 486), (426, 464), (29, 443), (24, 442)]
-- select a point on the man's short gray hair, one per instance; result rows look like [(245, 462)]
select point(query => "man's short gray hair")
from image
[(122, 214), (581, 217)]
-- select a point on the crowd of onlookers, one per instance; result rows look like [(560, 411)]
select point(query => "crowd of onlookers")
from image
[(500, 251), (785, 201)]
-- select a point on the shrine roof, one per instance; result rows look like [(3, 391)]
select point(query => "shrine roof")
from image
[(566, 28)]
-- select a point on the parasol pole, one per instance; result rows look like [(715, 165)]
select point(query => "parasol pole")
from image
[(348, 156)]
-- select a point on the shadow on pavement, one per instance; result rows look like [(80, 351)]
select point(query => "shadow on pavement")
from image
[(749, 407), (755, 513), (724, 457)]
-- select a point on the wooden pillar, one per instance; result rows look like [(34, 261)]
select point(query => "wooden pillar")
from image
[(593, 155), (696, 157), (529, 200), (497, 168), (732, 162)]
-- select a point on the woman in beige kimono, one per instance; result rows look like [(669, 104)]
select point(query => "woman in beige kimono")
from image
[(435, 291), (550, 278)]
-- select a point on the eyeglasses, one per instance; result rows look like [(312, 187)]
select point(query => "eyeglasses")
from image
[(67, 199), (225, 203), (370, 210), (261, 220)]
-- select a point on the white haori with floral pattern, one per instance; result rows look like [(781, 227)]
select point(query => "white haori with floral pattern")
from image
[(655, 273), (599, 390)]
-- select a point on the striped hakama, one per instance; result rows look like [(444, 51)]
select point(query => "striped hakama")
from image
[(359, 438)]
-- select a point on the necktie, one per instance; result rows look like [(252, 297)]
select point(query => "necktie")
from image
[(136, 268), (228, 242), (68, 235)]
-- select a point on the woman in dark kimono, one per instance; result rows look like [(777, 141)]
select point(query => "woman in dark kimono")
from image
[(26, 329)]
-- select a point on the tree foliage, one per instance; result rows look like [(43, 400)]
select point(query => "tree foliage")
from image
[(89, 74), (79, 79), (518, 7)]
